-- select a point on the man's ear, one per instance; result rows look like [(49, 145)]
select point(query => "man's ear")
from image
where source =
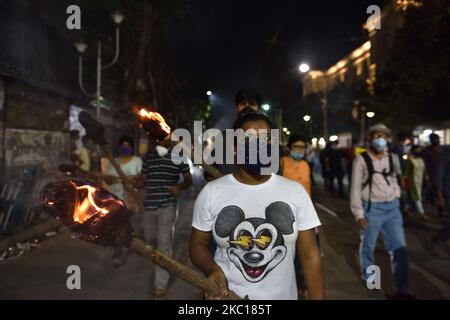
[(227, 220)]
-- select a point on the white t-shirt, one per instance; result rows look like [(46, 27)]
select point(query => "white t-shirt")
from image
[(131, 168), (255, 228)]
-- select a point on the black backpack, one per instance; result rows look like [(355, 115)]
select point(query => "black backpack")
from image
[(371, 172)]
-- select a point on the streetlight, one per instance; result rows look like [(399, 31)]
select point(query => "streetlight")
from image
[(334, 138), (307, 119), (209, 93), (285, 129), (81, 48), (265, 107), (370, 114), (304, 68)]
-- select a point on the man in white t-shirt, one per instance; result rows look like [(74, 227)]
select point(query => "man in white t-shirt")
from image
[(259, 223)]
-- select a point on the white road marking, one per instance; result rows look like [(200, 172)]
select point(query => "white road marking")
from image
[(322, 207)]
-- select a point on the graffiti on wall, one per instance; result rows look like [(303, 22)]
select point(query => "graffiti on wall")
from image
[(26, 148)]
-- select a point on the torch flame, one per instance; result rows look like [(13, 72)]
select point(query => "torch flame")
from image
[(87, 208), (155, 116)]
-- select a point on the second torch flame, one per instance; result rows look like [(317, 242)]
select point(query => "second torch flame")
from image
[(155, 116), (86, 208)]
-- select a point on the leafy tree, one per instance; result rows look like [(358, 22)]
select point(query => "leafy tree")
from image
[(415, 86)]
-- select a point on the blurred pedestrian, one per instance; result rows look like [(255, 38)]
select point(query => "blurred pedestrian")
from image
[(324, 158), (296, 168), (375, 194), (350, 156), (93, 150), (73, 146), (83, 154), (131, 166), (402, 148), (443, 195), (415, 174), (431, 155), (336, 169)]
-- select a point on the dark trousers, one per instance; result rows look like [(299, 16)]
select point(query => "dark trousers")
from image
[(339, 178)]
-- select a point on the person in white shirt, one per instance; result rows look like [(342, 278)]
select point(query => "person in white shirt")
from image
[(131, 166), (374, 201), (259, 222)]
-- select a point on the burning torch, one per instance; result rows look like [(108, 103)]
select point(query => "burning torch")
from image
[(99, 217), (155, 125)]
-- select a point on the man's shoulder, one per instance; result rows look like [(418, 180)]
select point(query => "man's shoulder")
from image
[(286, 183)]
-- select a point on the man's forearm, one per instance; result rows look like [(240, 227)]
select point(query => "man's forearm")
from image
[(202, 258), (314, 278)]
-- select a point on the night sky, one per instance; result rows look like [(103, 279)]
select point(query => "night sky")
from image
[(225, 42)]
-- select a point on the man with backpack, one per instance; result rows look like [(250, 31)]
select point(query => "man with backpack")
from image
[(374, 201)]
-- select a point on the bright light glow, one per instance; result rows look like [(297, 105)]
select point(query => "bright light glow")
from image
[(265, 107), (80, 46), (427, 132), (405, 157), (322, 142), (370, 114), (117, 17), (304, 68), (314, 141), (288, 133), (334, 138), (285, 129), (209, 92), (306, 118)]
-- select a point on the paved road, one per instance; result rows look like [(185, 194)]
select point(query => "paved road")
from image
[(41, 273)]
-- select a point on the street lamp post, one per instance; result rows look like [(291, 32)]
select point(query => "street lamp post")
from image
[(304, 68), (81, 48), (370, 115), (308, 121)]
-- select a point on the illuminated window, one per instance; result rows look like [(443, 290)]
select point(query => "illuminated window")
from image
[(406, 4)]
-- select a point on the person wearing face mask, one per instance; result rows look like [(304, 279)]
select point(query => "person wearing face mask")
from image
[(259, 222), (415, 174), (374, 201), (247, 100), (164, 175), (131, 166), (294, 166)]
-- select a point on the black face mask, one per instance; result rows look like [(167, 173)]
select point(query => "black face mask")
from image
[(255, 168), (247, 110)]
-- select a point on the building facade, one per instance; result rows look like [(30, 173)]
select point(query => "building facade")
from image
[(363, 63)]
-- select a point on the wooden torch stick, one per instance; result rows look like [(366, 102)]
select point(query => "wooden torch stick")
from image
[(178, 269)]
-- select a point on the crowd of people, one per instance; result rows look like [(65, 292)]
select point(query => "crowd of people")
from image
[(251, 232)]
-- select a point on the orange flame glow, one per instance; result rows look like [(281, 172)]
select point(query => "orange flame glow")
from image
[(87, 207), (155, 116)]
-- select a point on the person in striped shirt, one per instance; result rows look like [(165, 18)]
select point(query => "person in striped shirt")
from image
[(164, 180)]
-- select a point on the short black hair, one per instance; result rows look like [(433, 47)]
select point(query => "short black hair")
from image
[(402, 136), (249, 93), (126, 139), (294, 138), (250, 117), (434, 137)]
